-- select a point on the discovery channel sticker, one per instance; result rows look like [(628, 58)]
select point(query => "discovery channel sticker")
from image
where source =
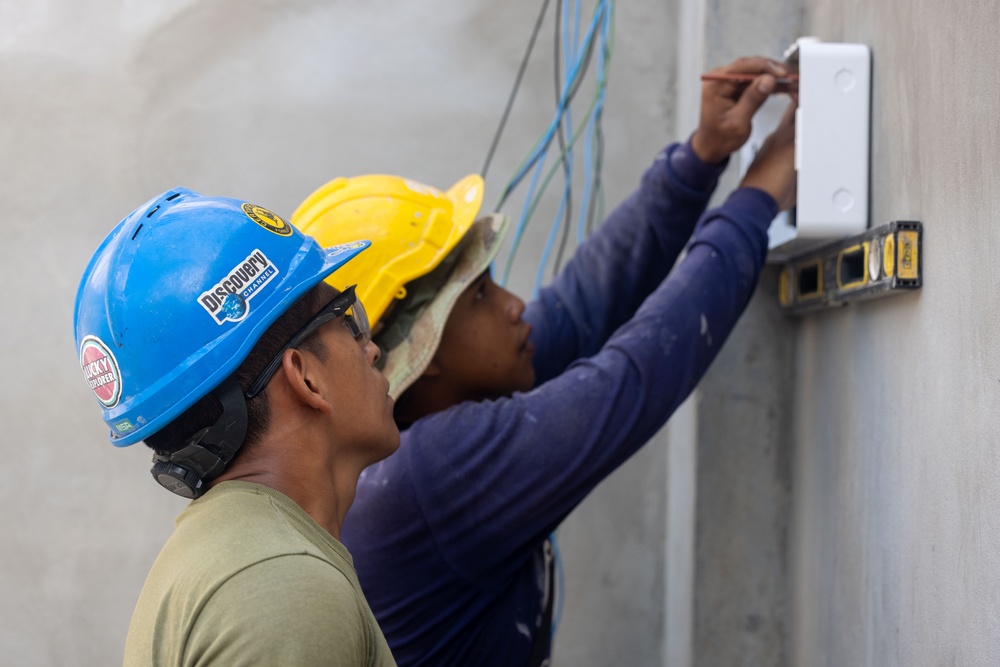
[(229, 299), (100, 368)]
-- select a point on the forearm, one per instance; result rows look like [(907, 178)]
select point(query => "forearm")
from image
[(614, 270), (537, 455)]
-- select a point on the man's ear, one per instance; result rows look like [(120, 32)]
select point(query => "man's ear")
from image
[(301, 374)]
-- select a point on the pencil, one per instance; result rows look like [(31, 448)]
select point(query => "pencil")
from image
[(791, 79)]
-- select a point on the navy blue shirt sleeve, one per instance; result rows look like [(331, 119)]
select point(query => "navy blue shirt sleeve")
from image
[(447, 531), (494, 478), (615, 270)]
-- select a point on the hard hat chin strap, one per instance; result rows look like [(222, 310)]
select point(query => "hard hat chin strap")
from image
[(207, 452)]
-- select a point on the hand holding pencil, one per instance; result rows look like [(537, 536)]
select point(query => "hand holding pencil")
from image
[(783, 84), (730, 96)]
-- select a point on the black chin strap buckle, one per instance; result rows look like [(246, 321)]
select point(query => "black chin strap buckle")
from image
[(207, 453)]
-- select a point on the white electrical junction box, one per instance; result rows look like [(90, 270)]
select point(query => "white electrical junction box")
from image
[(832, 133)]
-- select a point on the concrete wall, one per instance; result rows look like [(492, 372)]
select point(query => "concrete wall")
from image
[(878, 517), (743, 471), (108, 103), (847, 503), (896, 530)]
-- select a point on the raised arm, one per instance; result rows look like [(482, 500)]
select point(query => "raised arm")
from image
[(538, 454), (616, 269)]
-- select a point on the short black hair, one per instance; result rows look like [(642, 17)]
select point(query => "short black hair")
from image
[(208, 409)]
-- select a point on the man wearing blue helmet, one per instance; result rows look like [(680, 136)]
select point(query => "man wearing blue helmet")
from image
[(205, 329)]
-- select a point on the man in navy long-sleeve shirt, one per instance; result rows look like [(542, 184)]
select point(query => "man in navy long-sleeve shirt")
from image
[(520, 411)]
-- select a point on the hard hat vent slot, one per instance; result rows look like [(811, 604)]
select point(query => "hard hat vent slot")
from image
[(155, 209), (173, 196), (136, 232)]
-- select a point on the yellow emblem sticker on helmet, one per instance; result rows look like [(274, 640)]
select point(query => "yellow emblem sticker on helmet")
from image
[(267, 219)]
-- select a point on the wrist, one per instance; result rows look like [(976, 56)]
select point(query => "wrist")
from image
[(693, 172), (706, 151)]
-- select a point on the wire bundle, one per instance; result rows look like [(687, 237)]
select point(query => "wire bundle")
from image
[(576, 49)]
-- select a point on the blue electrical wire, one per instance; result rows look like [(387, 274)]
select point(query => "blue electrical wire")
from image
[(574, 75), (525, 214), (604, 7), (549, 242), (513, 92), (546, 139), (591, 181), (576, 56), (553, 232), (560, 585), (566, 203), (569, 41)]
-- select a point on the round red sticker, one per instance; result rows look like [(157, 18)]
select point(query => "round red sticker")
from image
[(101, 370)]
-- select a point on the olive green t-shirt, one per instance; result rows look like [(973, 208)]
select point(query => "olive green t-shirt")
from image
[(248, 578)]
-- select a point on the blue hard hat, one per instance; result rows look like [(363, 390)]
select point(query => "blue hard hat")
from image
[(178, 294)]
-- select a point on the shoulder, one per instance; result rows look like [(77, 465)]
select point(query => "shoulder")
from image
[(238, 524), (291, 609), (300, 583)]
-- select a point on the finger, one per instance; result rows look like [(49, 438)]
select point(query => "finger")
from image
[(754, 96), (756, 65), (789, 86), (724, 93)]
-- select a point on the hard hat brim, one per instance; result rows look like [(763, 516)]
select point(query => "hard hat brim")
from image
[(413, 226), (406, 362), (334, 257), (467, 198)]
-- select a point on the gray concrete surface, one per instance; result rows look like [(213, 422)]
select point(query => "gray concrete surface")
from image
[(108, 103), (877, 528), (744, 477), (889, 492), (896, 499), (740, 592)]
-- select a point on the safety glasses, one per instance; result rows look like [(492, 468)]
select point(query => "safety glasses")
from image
[(355, 319)]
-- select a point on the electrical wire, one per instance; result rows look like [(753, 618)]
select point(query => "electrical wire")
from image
[(597, 192), (586, 225), (534, 205), (560, 586), (576, 57), (536, 156), (543, 143), (586, 55), (513, 92), (566, 203)]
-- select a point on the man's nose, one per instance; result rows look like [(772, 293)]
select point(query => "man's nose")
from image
[(515, 308), (372, 352)]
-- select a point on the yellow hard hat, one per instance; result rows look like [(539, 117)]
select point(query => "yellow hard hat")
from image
[(412, 228)]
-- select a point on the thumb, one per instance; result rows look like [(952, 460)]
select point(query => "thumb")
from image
[(753, 97)]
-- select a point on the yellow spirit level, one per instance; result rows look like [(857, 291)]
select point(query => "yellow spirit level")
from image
[(882, 261)]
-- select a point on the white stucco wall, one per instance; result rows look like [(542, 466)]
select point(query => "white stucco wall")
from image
[(109, 103), (896, 529)]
